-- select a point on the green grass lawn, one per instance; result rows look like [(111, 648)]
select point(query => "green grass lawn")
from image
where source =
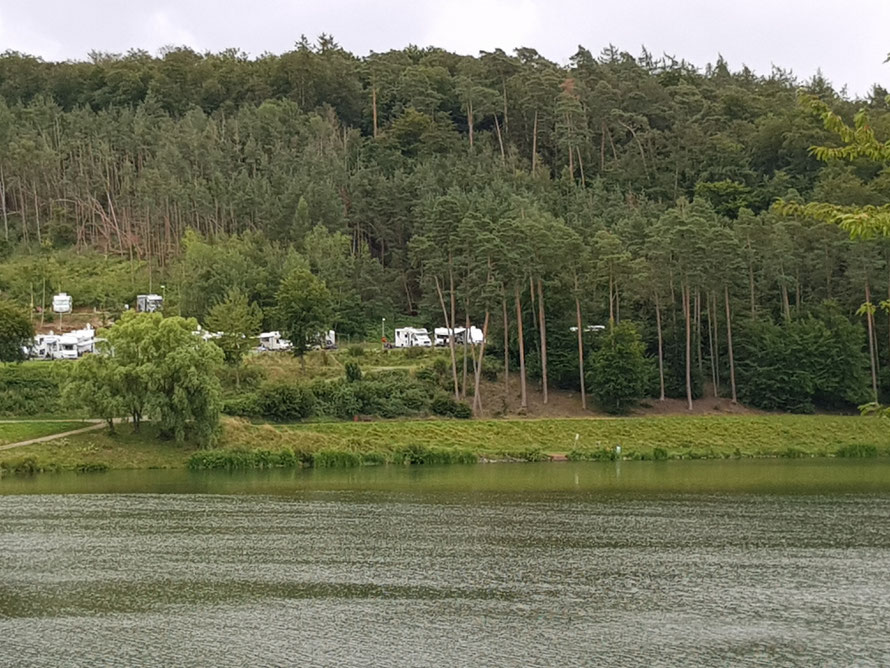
[(13, 432), (98, 450), (348, 443), (752, 436)]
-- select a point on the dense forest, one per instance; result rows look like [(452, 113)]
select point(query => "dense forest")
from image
[(530, 198)]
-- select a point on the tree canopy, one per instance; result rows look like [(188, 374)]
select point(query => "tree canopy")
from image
[(543, 199), (153, 367), (16, 332)]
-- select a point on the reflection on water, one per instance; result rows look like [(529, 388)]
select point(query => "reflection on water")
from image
[(757, 563)]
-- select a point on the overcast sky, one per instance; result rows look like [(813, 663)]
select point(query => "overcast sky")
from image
[(848, 41)]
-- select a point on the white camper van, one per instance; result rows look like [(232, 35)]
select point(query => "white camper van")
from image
[(443, 334), (75, 344), (149, 303), (273, 341), (412, 337), (44, 346), (62, 303)]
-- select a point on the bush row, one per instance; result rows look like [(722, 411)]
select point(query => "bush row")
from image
[(231, 460), (31, 388), (857, 450), (388, 395)]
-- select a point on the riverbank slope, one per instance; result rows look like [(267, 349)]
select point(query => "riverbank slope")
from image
[(247, 445)]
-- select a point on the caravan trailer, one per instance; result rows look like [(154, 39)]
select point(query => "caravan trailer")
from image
[(412, 337)]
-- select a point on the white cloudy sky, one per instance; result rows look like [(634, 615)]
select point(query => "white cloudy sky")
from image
[(848, 41)]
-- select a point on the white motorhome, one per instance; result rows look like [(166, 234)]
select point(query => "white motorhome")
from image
[(273, 341), (443, 334), (62, 303), (75, 344), (205, 335), (412, 337), (44, 346), (589, 328), (149, 303)]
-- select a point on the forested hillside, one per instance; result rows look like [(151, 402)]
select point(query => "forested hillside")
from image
[(502, 189)]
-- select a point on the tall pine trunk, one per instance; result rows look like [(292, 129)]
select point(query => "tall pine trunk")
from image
[(477, 397), (3, 205), (660, 347), (751, 279), (543, 324), (470, 120), (869, 316), (497, 127), (506, 345), (523, 402), (688, 317), (463, 384), (711, 338), (697, 334), (580, 347), (735, 398), (374, 109), (450, 328)]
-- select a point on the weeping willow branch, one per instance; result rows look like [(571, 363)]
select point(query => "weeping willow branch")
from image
[(862, 222)]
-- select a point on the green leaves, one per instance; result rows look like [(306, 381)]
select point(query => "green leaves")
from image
[(303, 309), (619, 371), (156, 368), (15, 332), (238, 321)]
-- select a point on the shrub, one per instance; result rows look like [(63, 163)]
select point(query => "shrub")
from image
[(243, 459), (243, 405), (33, 388), (594, 455), (447, 406), (244, 376), (815, 360), (23, 466), (856, 450), (355, 351), (422, 454), (659, 454), (792, 453), (619, 369), (336, 459), (353, 371), (285, 402), (414, 353)]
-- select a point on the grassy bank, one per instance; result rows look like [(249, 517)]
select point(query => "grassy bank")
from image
[(245, 445), (13, 432)]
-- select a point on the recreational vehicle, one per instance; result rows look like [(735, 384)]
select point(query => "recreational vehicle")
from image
[(44, 346), (68, 346), (273, 341), (412, 337), (443, 334), (62, 303), (149, 303)]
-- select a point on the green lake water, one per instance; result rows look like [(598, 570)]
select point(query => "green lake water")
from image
[(760, 563)]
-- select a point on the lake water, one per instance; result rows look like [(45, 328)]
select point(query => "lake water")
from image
[(759, 563)]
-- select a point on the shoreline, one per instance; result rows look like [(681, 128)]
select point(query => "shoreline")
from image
[(245, 446)]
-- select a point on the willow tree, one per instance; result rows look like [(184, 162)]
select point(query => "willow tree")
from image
[(858, 141)]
